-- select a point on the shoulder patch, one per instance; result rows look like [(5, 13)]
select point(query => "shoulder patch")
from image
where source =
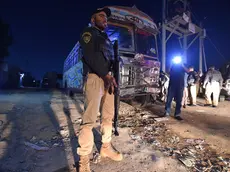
[(86, 37)]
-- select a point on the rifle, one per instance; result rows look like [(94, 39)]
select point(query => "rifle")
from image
[(116, 70)]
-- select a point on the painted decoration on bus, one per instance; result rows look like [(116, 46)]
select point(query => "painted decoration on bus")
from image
[(133, 15), (72, 58), (73, 77)]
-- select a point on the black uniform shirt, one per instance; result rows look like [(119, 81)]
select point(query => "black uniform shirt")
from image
[(177, 76), (97, 51)]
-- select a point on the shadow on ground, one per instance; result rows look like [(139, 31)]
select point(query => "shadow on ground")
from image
[(74, 139)]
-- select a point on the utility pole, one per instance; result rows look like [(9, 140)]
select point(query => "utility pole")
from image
[(163, 49), (201, 46), (200, 52), (181, 25), (185, 42)]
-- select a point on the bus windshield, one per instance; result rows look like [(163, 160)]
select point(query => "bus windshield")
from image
[(123, 34), (146, 43)]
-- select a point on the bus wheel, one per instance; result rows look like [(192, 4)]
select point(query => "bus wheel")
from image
[(153, 98), (130, 101), (145, 100)]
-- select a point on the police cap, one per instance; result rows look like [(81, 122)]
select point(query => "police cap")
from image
[(106, 10)]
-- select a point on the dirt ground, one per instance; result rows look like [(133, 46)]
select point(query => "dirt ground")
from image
[(208, 123), (38, 133)]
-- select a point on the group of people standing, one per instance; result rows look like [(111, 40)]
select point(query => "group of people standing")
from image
[(185, 84), (191, 87), (98, 60)]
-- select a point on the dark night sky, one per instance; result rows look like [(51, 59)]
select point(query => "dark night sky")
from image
[(46, 31)]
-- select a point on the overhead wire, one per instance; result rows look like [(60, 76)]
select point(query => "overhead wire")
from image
[(194, 15), (216, 48)]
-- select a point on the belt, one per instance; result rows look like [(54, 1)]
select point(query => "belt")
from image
[(92, 73), (110, 73)]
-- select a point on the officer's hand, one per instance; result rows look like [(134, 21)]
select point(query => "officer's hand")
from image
[(113, 84), (110, 83), (106, 80)]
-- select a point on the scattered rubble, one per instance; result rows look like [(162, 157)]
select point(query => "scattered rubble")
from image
[(64, 133), (36, 147), (134, 137), (96, 158), (1, 122), (195, 141), (188, 162), (41, 142), (193, 153), (33, 139), (57, 145), (161, 119), (78, 121)]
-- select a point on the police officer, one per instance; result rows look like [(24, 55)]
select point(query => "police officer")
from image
[(198, 84), (97, 57), (175, 90), (192, 81), (212, 83), (164, 84), (185, 92)]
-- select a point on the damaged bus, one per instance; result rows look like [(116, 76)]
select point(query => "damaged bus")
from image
[(137, 42)]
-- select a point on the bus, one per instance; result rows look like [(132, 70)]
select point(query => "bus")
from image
[(136, 33)]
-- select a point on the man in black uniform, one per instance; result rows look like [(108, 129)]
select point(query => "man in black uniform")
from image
[(97, 58), (175, 90)]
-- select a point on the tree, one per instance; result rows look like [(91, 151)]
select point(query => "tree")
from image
[(5, 42), (6, 39)]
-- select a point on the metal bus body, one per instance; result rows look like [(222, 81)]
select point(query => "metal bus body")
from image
[(137, 39)]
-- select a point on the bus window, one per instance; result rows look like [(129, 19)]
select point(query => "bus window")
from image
[(146, 43), (123, 34)]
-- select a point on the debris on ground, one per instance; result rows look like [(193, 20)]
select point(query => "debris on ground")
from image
[(33, 139), (36, 147), (195, 141), (96, 158), (1, 122), (161, 119), (193, 153), (51, 140), (78, 121), (188, 161)]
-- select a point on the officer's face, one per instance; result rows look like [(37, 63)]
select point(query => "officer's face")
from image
[(191, 69), (100, 20)]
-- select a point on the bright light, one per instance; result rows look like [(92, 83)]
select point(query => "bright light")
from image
[(22, 75), (177, 59)]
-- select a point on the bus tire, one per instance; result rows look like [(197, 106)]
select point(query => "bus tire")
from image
[(145, 100), (153, 98)]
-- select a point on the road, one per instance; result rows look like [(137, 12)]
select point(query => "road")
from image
[(39, 128), (208, 123)]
